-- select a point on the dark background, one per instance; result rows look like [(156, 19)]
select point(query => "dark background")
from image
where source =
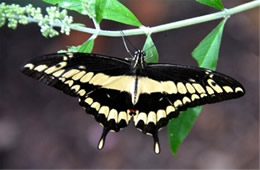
[(41, 127)]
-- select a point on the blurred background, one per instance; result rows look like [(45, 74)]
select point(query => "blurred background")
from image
[(40, 127)]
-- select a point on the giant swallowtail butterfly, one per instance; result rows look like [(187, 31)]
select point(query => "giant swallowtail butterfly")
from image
[(116, 90)]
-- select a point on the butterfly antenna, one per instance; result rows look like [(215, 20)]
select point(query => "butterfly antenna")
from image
[(124, 41)]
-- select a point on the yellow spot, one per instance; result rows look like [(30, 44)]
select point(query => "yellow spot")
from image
[(65, 58), (209, 90), (199, 88), (78, 75), (113, 115), (190, 88), (161, 114), (151, 117), (169, 87), (194, 97), (70, 55), (82, 92), (58, 73), (104, 110), (141, 116), (69, 82), (82, 67), (123, 116), (89, 101), (40, 68), (62, 79), (215, 86), (186, 100), (70, 73), (29, 65), (86, 77), (99, 79), (170, 109), (96, 106), (192, 80), (238, 89), (75, 87), (55, 67), (177, 103), (181, 88), (203, 95), (228, 89)]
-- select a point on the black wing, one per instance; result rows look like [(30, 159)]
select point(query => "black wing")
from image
[(166, 89), (81, 75)]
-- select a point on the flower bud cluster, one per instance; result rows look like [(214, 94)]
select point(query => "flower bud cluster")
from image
[(14, 14)]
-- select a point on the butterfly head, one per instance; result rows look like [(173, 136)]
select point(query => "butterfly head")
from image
[(138, 60)]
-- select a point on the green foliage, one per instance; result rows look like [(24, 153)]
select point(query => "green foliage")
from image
[(206, 53), (152, 55), (86, 47), (100, 9), (116, 11), (212, 3), (179, 128)]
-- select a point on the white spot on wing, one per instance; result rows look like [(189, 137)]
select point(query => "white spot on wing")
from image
[(228, 89), (181, 88), (161, 114), (70, 73), (151, 118), (29, 65), (239, 89), (89, 101), (104, 110), (141, 116), (86, 77), (170, 109), (40, 68)]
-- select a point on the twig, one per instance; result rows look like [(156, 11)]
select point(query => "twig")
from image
[(174, 25)]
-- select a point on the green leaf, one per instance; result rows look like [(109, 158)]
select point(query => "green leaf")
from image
[(87, 46), (206, 53), (180, 127), (53, 2), (152, 55), (212, 3), (85, 7), (100, 6), (116, 11)]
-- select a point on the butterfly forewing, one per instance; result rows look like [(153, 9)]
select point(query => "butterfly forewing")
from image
[(83, 75)]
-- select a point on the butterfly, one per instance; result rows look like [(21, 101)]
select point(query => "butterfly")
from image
[(116, 91)]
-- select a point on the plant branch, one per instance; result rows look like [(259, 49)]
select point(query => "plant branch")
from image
[(145, 30), (174, 25)]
